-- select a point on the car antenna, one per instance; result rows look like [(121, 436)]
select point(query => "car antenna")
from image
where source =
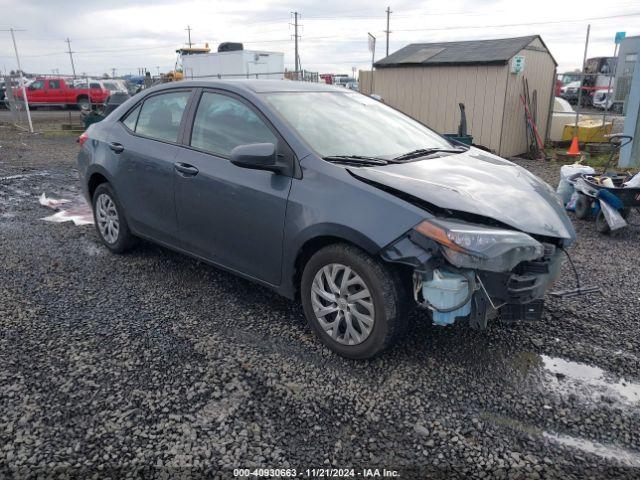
[(579, 290)]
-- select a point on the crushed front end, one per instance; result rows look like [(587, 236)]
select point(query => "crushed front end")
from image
[(474, 273)]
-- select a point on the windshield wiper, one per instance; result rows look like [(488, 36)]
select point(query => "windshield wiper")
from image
[(356, 159), (422, 152)]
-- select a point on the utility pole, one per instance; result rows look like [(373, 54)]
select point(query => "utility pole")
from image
[(73, 67), (21, 77), (584, 63), (113, 73), (387, 31), (372, 49), (188, 29), (295, 36)]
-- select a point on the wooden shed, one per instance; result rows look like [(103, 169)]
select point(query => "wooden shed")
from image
[(428, 80)]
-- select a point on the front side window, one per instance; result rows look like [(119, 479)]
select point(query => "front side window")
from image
[(336, 123), (94, 85), (38, 85), (222, 123), (161, 115)]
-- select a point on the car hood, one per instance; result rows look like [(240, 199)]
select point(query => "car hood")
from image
[(479, 183)]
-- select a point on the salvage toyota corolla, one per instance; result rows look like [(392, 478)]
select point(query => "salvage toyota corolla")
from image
[(327, 195)]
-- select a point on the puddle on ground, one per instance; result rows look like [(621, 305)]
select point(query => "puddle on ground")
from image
[(77, 210), (582, 379), (626, 457)]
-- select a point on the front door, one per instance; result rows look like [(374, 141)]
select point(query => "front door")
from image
[(229, 215), (144, 146), (54, 93), (36, 92)]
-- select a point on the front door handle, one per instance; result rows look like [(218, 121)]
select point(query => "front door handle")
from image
[(185, 169), (116, 147)]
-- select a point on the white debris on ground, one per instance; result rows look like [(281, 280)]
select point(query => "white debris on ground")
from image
[(76, 211), (51, 202)]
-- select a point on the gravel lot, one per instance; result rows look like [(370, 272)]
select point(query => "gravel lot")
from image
[(151, 360)]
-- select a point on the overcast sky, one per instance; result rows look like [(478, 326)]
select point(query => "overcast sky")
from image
[(126, 35)]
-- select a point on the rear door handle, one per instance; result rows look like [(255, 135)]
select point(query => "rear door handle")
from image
[(116, 147), (185, 169)]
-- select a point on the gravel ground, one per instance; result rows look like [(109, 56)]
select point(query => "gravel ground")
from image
[(155, 364)]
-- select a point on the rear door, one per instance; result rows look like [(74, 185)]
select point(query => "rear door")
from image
[(145, 145), (229, 215)]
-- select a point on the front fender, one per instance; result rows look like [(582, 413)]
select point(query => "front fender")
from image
[(330, 202)]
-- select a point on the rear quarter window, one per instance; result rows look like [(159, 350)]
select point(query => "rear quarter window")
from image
[(132, 118)]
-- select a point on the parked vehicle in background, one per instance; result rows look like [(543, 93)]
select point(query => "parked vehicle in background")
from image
[(342, 80), (603, 99), (114, 86), (63, 93), (352, 86), (570, 92), (326, 195)]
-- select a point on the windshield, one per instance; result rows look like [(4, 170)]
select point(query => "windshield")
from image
[(336, 123)]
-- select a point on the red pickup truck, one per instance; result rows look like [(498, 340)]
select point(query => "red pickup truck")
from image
[(59, 92)]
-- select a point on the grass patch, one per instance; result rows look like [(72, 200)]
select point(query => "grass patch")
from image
[(598, 162), (61, 133)]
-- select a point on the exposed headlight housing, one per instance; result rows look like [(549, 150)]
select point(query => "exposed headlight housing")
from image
[(478, 247)]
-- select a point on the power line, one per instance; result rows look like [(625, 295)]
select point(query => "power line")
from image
[(633, 14)]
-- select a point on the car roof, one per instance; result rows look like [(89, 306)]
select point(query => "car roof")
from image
[(257, 86)]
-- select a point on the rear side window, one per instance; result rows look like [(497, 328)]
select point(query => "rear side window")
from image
[(222, 123), (94, 85), (161, 115), (131, 119), (54, 83)]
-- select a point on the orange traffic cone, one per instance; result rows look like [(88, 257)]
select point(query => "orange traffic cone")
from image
[(574, 149)]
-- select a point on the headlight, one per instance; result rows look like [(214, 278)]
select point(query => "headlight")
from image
[(479, 247)]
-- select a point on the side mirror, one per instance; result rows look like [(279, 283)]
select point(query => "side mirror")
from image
[(257, 156)]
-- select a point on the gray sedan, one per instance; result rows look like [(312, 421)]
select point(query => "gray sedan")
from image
[(326, 195)]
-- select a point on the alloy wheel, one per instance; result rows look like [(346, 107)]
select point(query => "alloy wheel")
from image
[(342, 304), (107, 218)]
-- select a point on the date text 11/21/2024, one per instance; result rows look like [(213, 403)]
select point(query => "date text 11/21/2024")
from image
[(316, 473)]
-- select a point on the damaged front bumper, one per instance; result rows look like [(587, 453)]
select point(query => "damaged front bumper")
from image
[(457, 282)]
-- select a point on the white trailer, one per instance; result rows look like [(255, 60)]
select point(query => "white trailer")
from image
[(234, 64)]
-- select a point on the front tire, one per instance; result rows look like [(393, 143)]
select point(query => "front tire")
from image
[(109, 219), (354, 303)]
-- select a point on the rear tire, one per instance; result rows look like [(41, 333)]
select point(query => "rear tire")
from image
[(366, 300), (109, 219), (84, 104)]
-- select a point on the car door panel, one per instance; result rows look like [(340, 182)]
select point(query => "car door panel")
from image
[(145, 178), (230, 215), (144, 183)]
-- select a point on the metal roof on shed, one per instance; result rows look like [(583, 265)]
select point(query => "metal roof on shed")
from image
[(497, 51)]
